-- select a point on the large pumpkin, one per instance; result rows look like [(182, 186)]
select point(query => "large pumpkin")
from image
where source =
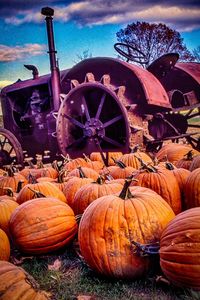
[(4, 247), (42, 225), (134, 159), (192, 189), (180, 249), (111, 224), (7, 206), (16, 284), (47, 189)]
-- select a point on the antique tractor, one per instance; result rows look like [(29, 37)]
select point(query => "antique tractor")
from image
[(100, 104)]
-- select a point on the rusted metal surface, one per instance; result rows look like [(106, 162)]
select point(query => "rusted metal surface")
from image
[(191, 68)]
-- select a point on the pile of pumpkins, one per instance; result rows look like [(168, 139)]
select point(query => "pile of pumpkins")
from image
[(122, 215)]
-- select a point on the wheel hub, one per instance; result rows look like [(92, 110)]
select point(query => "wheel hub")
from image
[(93, 128)]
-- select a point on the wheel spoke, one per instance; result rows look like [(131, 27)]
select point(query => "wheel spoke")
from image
[(10, 151), (2, 143), (111, 141), (97, 143), (192, 141), (86, 109), (74, 121), (114, 120), (100, 106), (76, 142)]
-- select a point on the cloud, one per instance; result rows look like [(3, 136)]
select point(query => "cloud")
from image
[(182, 15), (8, 54), (5, 83)]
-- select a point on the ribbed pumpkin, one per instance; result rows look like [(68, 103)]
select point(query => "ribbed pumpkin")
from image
[(174, 152), (192, 189), (11, 181), (180, 249), (42, 225), (111, 224), (120, 170), (16, 284), (72, 186), (4, 247), (131, 159), (195, 163), (88, 172), (163, 182), (94, 156), (7, 206), (45, 188), (90, 192), (186, 161), (71, 164)]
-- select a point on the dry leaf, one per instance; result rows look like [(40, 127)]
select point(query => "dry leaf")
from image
[(55, 266)]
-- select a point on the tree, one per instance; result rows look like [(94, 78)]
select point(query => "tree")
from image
[(85, 54), (154, 40), (196, 53)]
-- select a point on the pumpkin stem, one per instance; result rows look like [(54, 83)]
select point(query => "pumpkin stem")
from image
[(31, 178), (126, 193), (169, 166), (146, 249), (81, 173), (135, 148), (9, 191), (100, 179), (78, 218), (39, 163), (87, 159), (37, 194), (119, 163), (189, 155), (147, 167), (61, 175), (19, 186)]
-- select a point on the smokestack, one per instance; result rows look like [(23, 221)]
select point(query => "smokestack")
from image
[(55, 75)]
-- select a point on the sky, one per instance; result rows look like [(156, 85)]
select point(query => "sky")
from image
[(80, 26)]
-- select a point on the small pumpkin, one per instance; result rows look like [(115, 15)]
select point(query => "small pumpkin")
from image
[(12, 181), (195, 163), (180, 249), (88, 172), (135, 157), (186, 161), (42, 225), (4, 247), (16, 284), (91, 191), (110, 225), (94, 156), (120, 170), (45, 188)]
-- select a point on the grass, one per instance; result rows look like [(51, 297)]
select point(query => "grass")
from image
[(75, 278)]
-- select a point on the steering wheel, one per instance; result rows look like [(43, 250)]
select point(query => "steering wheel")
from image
[(128, 52)]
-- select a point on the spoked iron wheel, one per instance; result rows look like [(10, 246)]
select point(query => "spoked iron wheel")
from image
[(10, 148), (91, 118)]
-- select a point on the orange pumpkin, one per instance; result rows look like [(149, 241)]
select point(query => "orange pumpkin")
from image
[(192, 189), (90, 192), (180, 249), (163, 182), (88, 172), (16, 284), (110, 225), (42, 225), (12, 181), (94, 156), (45, 188), (195, 163), (7, 206), (4, 247), (119, 171), (134, 159), (186, 161)]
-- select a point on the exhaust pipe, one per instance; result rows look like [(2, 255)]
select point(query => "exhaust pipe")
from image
[(55, 74)]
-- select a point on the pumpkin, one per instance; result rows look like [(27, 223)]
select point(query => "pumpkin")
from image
[(88, 172), (135, 158), (12, 181), (7, 206), (186, 161), (71, 164), (42, 225), (16, 284), (192, 189), (46, 188), (72, 186), (119, 171), (195, 163), (110, 225), (90, 192), (4, 247), (180, 249), (94, 156), (174, 152), (161, 181), (39, 172)]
